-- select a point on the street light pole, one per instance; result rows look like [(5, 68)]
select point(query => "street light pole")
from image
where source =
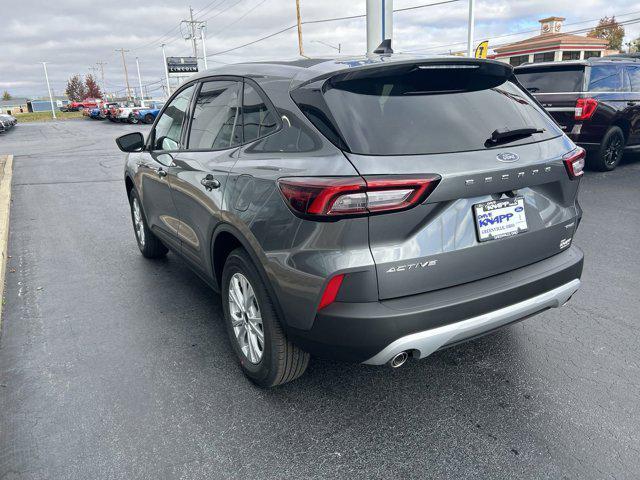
[(166, 70), (140, 83), (204, 45), (46, 76), (470, 29)]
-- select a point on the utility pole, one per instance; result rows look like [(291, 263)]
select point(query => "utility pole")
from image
[(46, 76), (338, 48), (140, 83), (300, 49), (166, 70), (191, 26), (470, 28), (101, 65), (126, 73), (204, 44)]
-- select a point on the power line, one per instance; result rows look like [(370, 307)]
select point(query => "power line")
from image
[(309, 22), (522, 32)]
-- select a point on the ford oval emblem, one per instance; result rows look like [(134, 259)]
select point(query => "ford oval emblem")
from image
[(508, 157)]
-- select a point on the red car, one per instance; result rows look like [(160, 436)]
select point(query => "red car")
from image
[(86, 103)]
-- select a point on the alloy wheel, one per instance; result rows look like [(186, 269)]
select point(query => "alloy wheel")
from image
[(246, 319), (613, 151), (138, 223)]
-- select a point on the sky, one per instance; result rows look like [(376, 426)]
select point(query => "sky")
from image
[(73, 35)]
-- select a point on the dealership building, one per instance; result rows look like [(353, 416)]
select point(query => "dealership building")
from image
[(551, 45)]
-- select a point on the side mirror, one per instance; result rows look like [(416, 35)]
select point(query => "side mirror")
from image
[(131, 142)]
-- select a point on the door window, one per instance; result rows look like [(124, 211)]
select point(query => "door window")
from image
[(216, 122), (258, 119), (168, 130)]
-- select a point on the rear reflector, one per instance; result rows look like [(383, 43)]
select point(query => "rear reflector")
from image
[(343, 196), (331, 291), (574, 162), (585, 108)]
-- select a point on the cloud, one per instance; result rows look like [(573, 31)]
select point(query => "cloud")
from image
[(72, 35)]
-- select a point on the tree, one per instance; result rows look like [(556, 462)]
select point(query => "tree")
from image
[(609, 29), (76, 91), (6, 96), (93, 89)]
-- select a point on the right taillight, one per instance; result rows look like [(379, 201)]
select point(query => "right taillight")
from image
[(585, 107), (574, 163), (335, 197)]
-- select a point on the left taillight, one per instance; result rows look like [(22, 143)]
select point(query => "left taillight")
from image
[(574, 162), (335, 197)]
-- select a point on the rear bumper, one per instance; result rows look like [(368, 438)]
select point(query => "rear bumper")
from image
[(426, 342), (373, 332)]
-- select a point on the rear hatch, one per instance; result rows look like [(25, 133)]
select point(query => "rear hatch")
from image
[(499, 204), (556, 87)]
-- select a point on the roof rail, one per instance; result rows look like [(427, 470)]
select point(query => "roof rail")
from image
[(621, 56)]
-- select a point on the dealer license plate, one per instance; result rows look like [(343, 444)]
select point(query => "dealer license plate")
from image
[(500, 218)]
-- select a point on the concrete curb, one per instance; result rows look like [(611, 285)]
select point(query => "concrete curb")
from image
[(5, 203)]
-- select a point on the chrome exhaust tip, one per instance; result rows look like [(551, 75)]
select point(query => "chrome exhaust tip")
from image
[(399, 360)]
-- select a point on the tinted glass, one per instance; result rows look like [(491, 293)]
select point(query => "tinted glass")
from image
[(605, 78), (258, 119), (216, 117), (591, 54), (418, 112), (557, 79), (544, 57), (518, 60), (634, 77), (571, 55), (169, 127)]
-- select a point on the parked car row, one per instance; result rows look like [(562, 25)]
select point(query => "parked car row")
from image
[(596, 102), (7, 122), (116, 112)]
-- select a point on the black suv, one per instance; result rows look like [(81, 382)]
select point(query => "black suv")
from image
[(595, 101)]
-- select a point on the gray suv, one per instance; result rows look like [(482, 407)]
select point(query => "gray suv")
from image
[(368, 210)]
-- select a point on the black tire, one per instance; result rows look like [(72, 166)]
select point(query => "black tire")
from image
[(281, 361), (132, 119), (608, 156), (150, 246), (148, 118)]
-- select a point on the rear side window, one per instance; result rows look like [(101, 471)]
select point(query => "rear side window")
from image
[(634, 77), (552, 80), (216, 122), (421, 111), (606, 78), (258, 119)]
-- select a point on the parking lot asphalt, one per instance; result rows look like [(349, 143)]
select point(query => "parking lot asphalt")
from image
[(113, 366)]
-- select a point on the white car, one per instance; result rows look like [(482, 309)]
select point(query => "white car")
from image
[(127, 114)]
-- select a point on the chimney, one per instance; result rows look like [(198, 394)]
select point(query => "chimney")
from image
[(551, 25)]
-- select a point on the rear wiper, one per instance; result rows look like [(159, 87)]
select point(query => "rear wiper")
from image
[(501, 135)]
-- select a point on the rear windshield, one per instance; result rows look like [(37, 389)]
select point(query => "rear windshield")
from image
[(435, 110), (551, 80)]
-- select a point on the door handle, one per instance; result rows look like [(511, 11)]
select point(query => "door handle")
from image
[(209, 182)]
